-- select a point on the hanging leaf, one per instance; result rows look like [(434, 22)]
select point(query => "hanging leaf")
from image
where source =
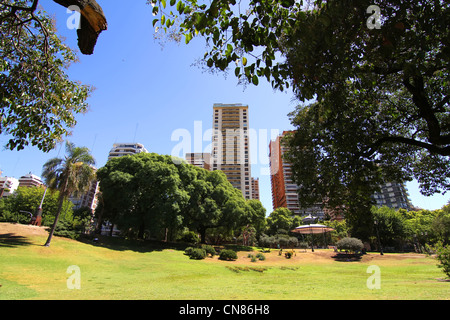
[(255, 80)]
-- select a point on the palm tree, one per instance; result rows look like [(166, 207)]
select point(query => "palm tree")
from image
[(70, 175)]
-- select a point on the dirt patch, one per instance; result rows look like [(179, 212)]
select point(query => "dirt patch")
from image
[(319, 256), (22, 229)]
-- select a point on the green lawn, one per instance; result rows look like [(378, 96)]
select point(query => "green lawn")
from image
[(117, 271)]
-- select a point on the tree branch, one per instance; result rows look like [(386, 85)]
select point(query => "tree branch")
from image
[(443, 151), (93, 22)]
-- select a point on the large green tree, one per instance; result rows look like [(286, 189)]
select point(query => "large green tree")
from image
[(214, 203), (142, 193), (377, 72), (153, 193), (69, 175)]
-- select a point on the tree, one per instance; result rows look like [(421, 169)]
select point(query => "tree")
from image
[(38, 101), (390, 225), (279, 219), (380, 86), (143, 193), (214, 203), (70, 175), (257, 216), (153, 193), (28, 200)]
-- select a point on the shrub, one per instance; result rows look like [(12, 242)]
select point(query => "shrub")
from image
[(293, 242), (209, 249), (65, 229), (350, 244), (443, 255), (198, 254), (260, 256), (303, 245), (228, 254), (190, 237), (188, 251)]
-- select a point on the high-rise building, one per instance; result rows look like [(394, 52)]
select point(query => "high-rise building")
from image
[(284, 190), (393, 195), (230, 145), (30, 180), (87, 199), (8, 185), (124, 149), (255, 188), (202, 160)]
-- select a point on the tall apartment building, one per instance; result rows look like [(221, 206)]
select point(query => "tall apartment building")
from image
[(87, 199), (230, 145), (124, 149), (284, 190), (30, 180), (8, 185), (393, 195), (202, 160), (255, 188)]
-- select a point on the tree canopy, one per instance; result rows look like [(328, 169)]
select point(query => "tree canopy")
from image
[(372, 75), (38, 101), (151, 194), (70, 175)]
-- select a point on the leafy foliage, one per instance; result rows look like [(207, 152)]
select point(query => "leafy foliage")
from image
[(351, 244), (376, 100), (443, 255), (70, 175), (29, 199), (150, 192), (228, 254), (38, 101)]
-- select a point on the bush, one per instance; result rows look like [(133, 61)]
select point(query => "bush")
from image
[(228, 254), (198, 254), (303, 245), (65, 229), (443, 255), (188, 251), (209, 249), (190, 237), (260, 256), (350, 244)]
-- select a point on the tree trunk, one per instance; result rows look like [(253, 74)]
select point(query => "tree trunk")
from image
[(202, 232), (52, 230), (141, 230)]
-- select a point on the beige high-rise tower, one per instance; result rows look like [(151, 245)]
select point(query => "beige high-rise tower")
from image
[(230, 150)]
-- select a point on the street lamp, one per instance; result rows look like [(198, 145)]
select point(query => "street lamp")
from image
[(378, 237), (38, 220)]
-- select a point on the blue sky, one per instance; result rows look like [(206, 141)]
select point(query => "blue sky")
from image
[(144, 93)]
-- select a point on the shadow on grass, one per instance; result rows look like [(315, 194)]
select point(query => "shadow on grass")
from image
[(9, 240), (347, 257), (121, 244)]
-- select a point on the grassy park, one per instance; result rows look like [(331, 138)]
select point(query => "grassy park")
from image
[(119, 270)]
